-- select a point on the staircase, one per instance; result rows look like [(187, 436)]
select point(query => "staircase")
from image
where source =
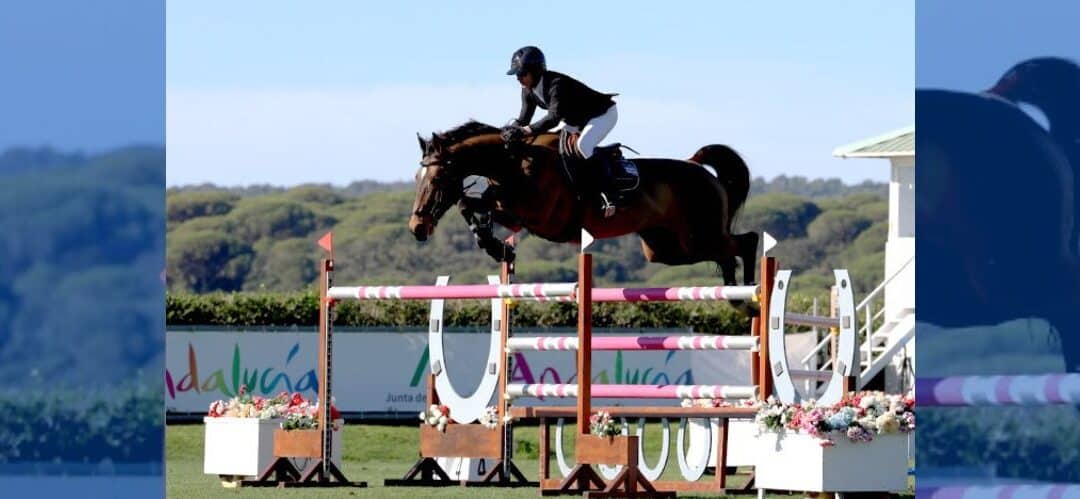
[(877, 345)]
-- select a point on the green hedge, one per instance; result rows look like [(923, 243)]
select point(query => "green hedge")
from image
[(120, 426), (301, 309), (1034, 443)]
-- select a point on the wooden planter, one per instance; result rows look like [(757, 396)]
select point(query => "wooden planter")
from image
[(305, 444), (460, 440), (616, 450), (798, 462)]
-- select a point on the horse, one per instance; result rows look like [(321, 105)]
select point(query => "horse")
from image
[(995, 216), (682, 212)]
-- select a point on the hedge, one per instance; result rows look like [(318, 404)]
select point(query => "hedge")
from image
[(124, 425), (300, 309)]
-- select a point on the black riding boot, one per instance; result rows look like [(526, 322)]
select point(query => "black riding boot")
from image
[(604, 172)]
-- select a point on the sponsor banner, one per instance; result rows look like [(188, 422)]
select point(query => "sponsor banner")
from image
[(388, 372)]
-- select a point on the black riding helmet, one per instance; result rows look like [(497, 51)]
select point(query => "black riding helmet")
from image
[(527, 59)]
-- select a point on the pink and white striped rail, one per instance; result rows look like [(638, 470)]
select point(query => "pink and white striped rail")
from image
[(634, 391), (697, 342), (1048, 491), (466, 291), (541, 292), (959, 391), (692, 293)]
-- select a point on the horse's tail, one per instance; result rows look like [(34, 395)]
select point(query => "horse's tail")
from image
[(731, 172)]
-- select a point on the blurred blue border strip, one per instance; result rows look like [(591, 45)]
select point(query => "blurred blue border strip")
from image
[(82, 241)]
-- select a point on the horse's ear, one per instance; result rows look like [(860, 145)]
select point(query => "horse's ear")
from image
[(423, 143), (436, 143)]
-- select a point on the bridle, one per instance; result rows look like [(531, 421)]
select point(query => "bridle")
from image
[(440, 190)]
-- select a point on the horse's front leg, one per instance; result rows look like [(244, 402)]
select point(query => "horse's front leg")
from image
[(478, 216)]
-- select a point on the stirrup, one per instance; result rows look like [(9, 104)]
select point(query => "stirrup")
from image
[(607, 207)]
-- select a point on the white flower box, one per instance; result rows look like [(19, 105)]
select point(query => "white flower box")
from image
[(798, 462), (244, 447)]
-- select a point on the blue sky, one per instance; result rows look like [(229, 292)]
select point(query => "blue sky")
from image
[(82, 76), (287, 92), (969, 44)]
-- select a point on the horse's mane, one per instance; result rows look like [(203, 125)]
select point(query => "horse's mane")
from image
[(470, 129)]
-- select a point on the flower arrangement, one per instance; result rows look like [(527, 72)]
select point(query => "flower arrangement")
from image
[(302, 414), (859, 416), (438, 416), (298, 412), (243, 405), (490, 418), (602, 424)]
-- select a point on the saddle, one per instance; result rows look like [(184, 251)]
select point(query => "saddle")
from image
[(616, 174)]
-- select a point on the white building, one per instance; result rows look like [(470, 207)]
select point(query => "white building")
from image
[(893, 342)]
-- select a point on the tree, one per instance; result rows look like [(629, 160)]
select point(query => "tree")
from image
[(785, 216), (188, 205), (205, 261)]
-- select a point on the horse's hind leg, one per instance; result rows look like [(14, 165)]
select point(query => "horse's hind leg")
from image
[(661, 246), (747, 245), (727, 270)]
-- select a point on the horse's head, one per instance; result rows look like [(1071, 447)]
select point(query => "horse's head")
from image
[(438, 186), (473, 148)]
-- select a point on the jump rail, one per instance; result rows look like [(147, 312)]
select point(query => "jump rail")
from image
[(610, 343), (634, 391), (963, 391)]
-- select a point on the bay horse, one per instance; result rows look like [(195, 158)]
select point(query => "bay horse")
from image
[(995, 216), (682, 212)]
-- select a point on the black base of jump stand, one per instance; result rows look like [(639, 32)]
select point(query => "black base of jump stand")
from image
[(427, 473), (282, 473)]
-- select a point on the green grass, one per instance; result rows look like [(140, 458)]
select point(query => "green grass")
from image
[(371, 454)]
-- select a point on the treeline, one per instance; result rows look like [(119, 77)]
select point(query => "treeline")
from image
[(81, 258), (224, 240)]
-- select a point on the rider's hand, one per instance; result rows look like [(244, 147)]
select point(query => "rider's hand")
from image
[(512, 133)]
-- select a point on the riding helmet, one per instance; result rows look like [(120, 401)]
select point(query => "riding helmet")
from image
[(527, 59)]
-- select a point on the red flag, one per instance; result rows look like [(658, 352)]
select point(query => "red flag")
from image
[(327, 242)]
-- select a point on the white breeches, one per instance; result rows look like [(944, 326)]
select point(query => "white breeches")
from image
[(594, 131)]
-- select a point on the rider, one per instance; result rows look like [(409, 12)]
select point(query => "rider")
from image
[(570, 104)]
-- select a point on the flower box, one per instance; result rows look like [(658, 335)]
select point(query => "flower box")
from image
[(798, 462), (244, 447)]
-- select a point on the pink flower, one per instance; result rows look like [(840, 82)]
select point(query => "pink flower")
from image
[(217, 409), (297, 399), (243, 390)]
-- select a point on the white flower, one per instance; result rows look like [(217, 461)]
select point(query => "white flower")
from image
[(423, 416), (887, 423), (443, 420)]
